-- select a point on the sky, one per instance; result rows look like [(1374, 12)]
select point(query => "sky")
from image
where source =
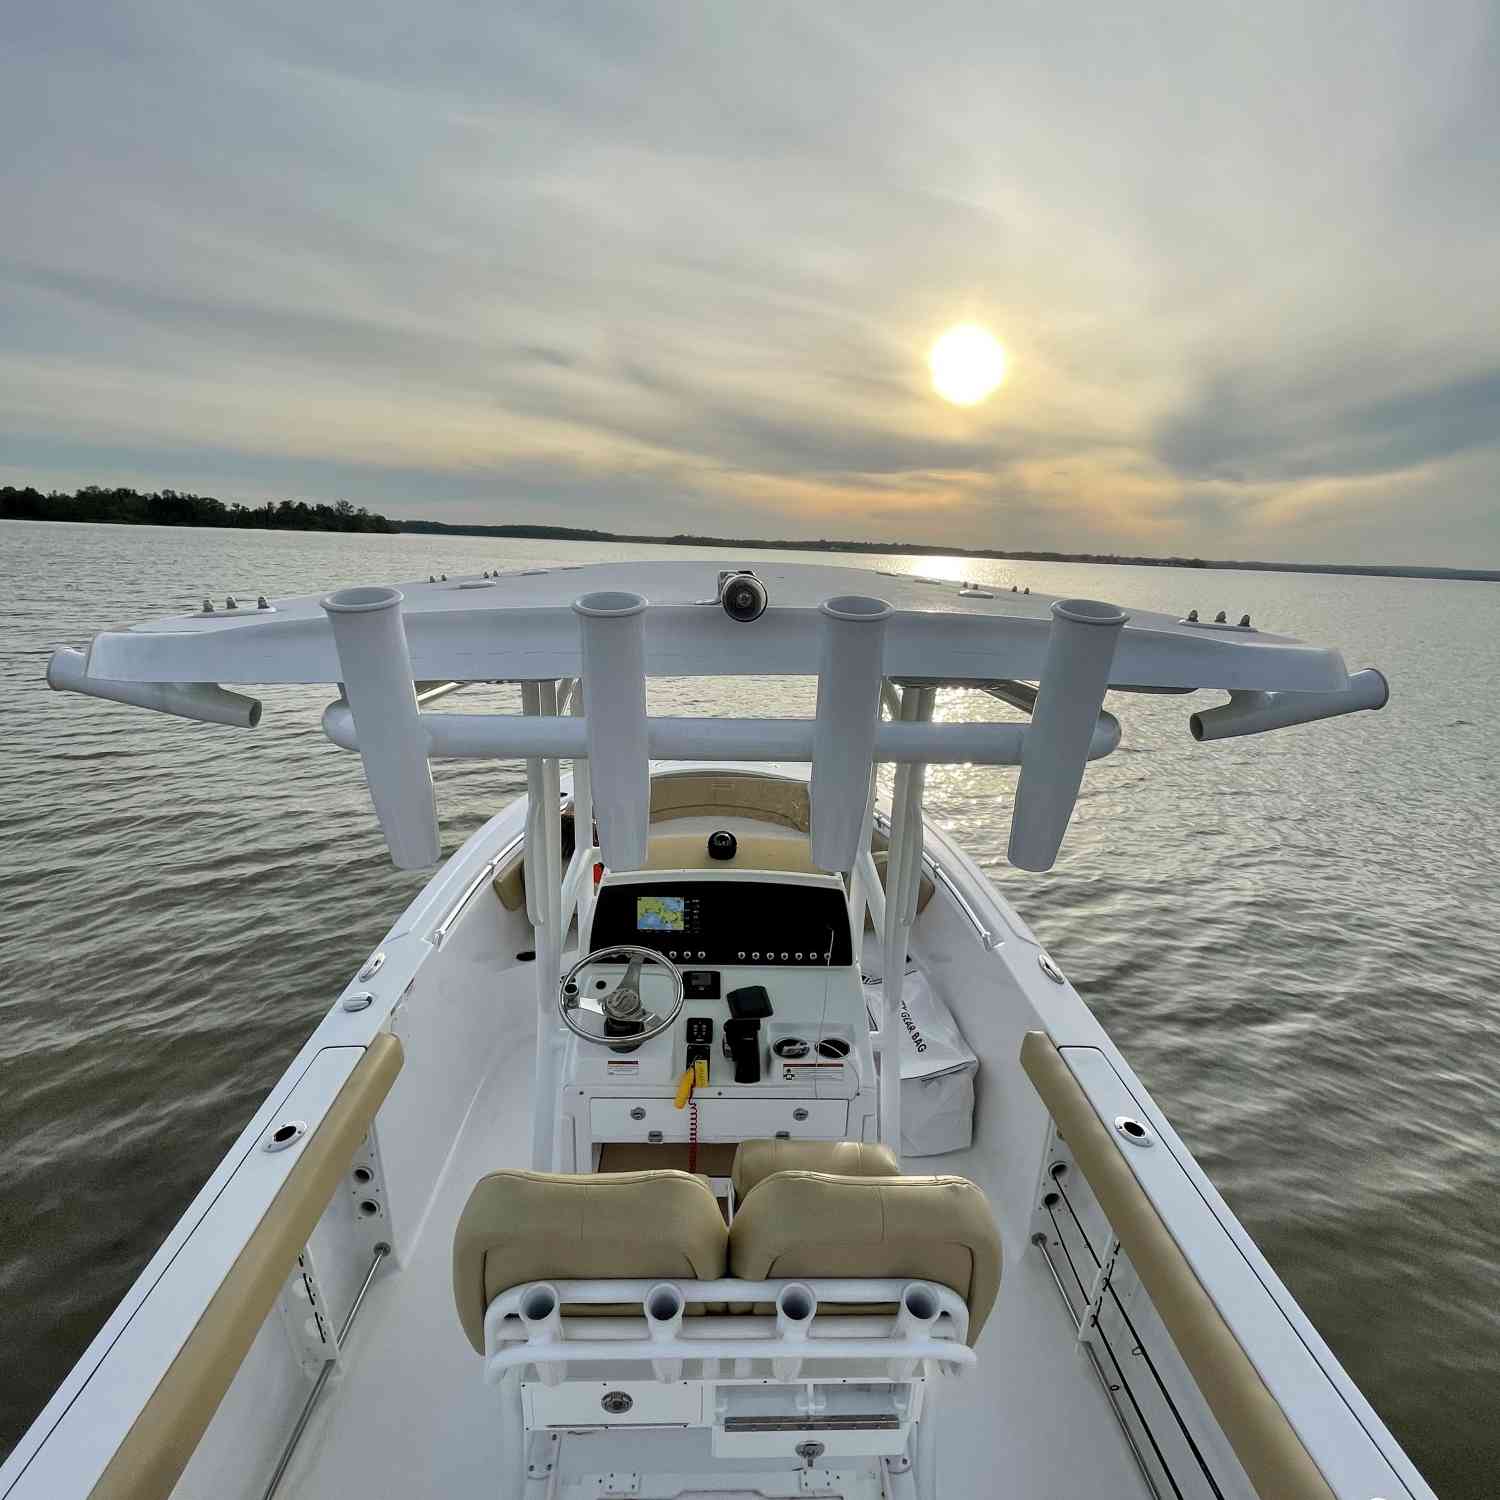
[(678, 267)]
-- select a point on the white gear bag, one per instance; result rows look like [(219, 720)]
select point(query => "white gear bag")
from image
[(937, 1067)]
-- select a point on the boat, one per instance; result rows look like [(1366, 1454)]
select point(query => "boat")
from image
[(618, 1169)]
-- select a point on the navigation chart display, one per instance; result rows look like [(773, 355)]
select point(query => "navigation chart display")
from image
[(661, 914), (723, 921)]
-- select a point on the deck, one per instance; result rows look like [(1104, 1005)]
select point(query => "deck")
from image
[(411, 1415)]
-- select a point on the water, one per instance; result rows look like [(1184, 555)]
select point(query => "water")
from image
[(1292, 937)]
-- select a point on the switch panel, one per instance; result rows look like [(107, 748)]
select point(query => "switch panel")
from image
[(700, 1040)]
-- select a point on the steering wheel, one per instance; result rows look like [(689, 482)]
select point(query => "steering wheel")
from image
[(619, 1020)]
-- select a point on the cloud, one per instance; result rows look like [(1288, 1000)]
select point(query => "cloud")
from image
[(1230, 429), (662, 267)]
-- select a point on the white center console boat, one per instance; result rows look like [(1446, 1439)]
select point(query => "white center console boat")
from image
[(591, 1182)]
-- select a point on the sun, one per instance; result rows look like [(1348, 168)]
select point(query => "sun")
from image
[(967, 364)]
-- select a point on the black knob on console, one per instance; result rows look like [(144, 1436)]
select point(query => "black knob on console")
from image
[(722, 845)]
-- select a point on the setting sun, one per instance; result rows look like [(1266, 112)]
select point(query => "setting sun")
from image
[(967, 364)]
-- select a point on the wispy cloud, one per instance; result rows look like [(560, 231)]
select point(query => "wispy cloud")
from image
[(670, 267)]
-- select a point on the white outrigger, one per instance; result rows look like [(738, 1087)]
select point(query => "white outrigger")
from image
[(591, 1182)]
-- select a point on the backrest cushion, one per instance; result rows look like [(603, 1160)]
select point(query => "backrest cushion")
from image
[(558, 1226), (812, 1224), (756, 1160)]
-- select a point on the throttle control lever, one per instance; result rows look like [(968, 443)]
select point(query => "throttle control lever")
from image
[(742, 1043)]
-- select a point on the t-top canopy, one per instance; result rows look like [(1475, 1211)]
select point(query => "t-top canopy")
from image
[(609, 626), (520, 625)]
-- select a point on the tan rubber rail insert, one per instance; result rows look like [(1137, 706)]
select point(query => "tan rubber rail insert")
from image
[(1268, 1448), (163, 1437)]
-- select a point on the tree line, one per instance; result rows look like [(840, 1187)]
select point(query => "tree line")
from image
[(125, 507)]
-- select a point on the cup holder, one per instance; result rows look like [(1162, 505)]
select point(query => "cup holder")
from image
[(833, 1048), (790, 1047)]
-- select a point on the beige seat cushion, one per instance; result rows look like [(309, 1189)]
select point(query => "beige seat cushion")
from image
[(756, 795), (926, 890), (756, 1160), (558, 1226), (928, 1228), (756, 849)]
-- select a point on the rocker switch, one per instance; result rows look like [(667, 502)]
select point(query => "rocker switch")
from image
[(700, 1040)]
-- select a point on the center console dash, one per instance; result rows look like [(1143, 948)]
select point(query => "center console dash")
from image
[(744, 923), (772, 1003)]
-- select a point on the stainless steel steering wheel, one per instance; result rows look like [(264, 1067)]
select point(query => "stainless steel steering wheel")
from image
[(620, 1019)]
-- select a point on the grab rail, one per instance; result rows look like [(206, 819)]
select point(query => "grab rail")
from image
[(519, 736), (150, 1459), (1264, 1441), (486, 872)]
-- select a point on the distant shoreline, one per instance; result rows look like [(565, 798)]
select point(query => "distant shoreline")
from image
[(917, 549), (94, 505)]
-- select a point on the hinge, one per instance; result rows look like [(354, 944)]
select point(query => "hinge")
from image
[(542, 1455), (306, 1316), (604, 1485)]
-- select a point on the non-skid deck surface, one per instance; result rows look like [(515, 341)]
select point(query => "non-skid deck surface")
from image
[(412, 1416)]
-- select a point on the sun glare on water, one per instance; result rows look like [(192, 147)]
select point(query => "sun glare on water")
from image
[(967, 364)]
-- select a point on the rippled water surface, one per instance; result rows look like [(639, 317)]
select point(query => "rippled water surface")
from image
[(1293, 937)]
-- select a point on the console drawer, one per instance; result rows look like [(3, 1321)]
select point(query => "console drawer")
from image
[(719, 1119), (595, 1403)]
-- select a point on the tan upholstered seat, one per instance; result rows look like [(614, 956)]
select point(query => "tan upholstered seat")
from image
[(815, 1224), (756, 1160), (558, 1226), (770, 848)]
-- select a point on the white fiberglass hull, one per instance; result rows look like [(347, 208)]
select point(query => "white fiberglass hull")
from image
[(404, 1410)]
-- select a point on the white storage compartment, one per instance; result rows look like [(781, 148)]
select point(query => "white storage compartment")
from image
[(849, 1419), (719, 1119), (613, 1403)]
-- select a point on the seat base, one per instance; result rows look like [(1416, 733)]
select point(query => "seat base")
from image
[(715, 1158)]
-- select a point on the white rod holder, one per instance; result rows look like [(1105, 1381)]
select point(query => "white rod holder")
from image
[(664, 1306), (860, 1291), (796, 1307), (375, 667), (1075, 677), (916, 1316), (541, 1316), (1254, 713), (207, 702), (611, 628), (850, 667)]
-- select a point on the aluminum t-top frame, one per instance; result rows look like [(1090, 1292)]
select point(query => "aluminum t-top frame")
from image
[(611, 626)]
